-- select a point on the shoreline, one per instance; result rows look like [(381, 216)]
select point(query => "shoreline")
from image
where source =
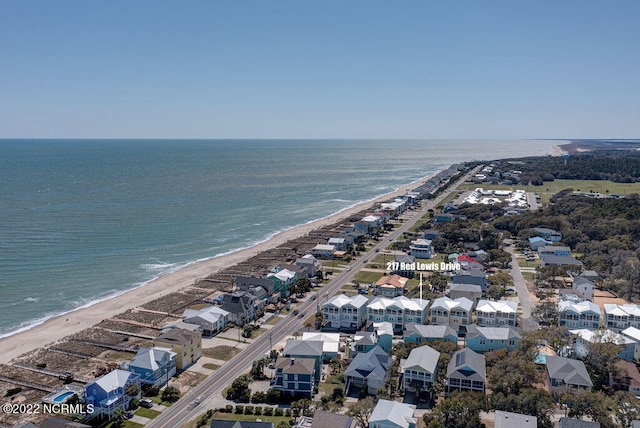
[(56, 328)]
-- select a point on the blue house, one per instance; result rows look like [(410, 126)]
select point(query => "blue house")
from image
[(418, 333), (109, 393), (154, 365), (295, 376), (384, 330), (487, 339)]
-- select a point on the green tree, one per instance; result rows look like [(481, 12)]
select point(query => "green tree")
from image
[(460, 410), (594, 404), (509, 373), (361, 411), (530, 401), (171, 394)]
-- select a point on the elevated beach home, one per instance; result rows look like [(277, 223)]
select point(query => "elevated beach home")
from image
[(155, 366), (282, 279), (472, 292), (511, 420), (548, 234), (619, 317), (421, 248), (384, 331), (186, 344), (467, 371), (240, 306), (344, 312), (579, 315), (110, 392), (446, 311), (393, 414), (391, 286), (487, 339), (418, 333), (323, 251), (310, 264), (211, 319), (368, 370), (306, 349), (584, 340), (567, 375), (295, 376), (420, 369), (398, 311), (404, 265), (490, 313)]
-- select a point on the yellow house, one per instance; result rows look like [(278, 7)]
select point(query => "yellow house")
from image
[(186, 344)]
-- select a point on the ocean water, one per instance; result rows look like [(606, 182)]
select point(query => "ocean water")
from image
[(82, 220)]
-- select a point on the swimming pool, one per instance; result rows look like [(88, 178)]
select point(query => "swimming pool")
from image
[(62, 397)]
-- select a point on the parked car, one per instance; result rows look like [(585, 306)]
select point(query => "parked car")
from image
[(145, 402)]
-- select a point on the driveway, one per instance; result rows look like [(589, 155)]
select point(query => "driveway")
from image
[(528, 323)]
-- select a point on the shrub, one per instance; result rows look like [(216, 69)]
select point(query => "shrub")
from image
[(12, 391), (278, 412), (268, 411), (228, 408), (248, 410), (258, 411), (239, 409)]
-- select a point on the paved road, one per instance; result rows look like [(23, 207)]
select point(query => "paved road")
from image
[(528, 323), (211, 388)]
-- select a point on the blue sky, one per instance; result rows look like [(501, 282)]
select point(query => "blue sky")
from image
[(324, 69)]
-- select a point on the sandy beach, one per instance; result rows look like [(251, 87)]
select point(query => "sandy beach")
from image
[(59, 327)]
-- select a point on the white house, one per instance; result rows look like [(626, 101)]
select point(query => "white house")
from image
[(579, 315), (618, 317), (323, 251), (452, 312), (421, 248), (211, 319), (392, 414), (398, 311), (342, 311), (491, 313)]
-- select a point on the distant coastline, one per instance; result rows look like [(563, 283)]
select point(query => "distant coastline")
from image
[(56, 328)]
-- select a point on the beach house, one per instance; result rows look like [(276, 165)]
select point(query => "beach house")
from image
[(306, 349), (393, 414), (466, 372), (186, 344), (421, 248), (240, 306), (420, 369), (487, 339), (619, 317), (310, 264), (282, 279), (391, 286), (295, 376), (583, 314), (490, 313), (368, 370), (155, 366), (417, 333), (584, 340), (211, 319), (344, 312), (472, 292), (452, 312), (567, 375), (111, 392), (323, 251), (398, 311)]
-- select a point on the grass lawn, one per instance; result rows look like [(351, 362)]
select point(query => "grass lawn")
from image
[(234, 417), (367, 277), (147, 413), (275, 320), (131, 424), (222, 352), (211, 366), (330, 384), (549, 188)]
